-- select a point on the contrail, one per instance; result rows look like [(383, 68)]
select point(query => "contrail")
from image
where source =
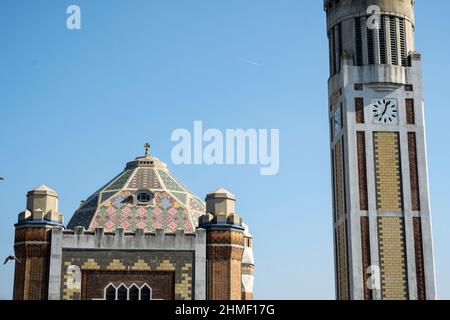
[(250, 62)]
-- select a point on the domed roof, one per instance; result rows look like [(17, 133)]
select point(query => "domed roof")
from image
[(145, 195)]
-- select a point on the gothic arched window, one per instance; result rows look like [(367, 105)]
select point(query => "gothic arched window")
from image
[(133, 293), (110, 292), (146, 292), (122, 293)]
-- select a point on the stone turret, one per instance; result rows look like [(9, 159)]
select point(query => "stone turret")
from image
[(32, 243), (225, 245)]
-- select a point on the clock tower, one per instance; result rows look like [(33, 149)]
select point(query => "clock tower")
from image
[(381, 208)]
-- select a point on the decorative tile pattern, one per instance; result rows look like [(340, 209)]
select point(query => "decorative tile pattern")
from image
[(196, 204), (391, 235), (179, 182), (145, 178), (170, 183), (81, 219), (107, 195), (387, 171), (90, 203), (121, 181), (168, 214), (180, 196), (116, 207)]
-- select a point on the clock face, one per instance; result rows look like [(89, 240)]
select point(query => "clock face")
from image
[(385, 111), (337, 121)]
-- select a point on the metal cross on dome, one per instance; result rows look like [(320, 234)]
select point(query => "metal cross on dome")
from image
[(147, 150)]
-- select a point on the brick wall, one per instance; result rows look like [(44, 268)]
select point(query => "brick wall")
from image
[(31, 276), (413, 171), (224, 269), (94, 282), (339, 179), (114, 264), (343, 276), (365, 250), (392, 258), (418, 248), (362, 171)]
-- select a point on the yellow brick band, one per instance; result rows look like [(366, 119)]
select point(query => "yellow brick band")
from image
[(387, 171), (392, 258)]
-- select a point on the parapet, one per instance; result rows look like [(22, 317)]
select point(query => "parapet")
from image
[(158, 240)]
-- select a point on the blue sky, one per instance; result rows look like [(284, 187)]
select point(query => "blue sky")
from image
[(76, 105)]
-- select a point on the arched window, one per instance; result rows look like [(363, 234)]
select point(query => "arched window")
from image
[(122, 293), (146, 293), (110, 292), (133, 293)]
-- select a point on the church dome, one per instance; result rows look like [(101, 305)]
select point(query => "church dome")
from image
[(145, 195)]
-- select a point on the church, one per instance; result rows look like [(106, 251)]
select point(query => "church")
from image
[(142, 236)]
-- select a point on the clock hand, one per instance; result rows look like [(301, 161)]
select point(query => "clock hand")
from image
[(384, 112)]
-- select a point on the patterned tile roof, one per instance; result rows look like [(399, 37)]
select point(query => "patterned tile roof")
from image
[(116, 205)]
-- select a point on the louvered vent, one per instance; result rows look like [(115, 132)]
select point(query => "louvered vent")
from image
[(382, 37), (370, 51), (339, 44), (403, 42), (358, 36), (333, 52), (393, 29)]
